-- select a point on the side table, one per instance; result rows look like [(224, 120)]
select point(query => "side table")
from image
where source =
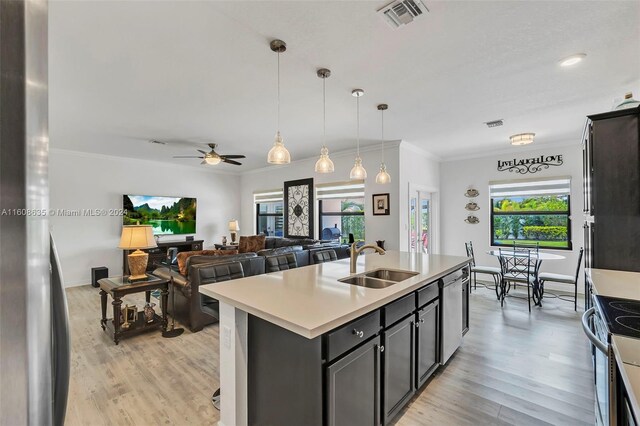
[(226, 246), (117, 287)]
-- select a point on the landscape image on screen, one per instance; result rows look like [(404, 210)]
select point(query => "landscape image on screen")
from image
[(167, 215)]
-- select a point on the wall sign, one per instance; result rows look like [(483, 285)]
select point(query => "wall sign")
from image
[(298, 222), (530, 165)]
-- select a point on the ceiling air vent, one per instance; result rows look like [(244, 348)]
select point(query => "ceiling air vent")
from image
[(494, 123), (402, 12)]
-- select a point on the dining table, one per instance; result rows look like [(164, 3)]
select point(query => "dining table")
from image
[(537, 256)]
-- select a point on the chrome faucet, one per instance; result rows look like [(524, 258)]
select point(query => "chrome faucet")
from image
[(355, 251)]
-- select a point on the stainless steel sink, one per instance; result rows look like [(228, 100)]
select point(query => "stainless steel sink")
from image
[(369, 282), (391, 274)]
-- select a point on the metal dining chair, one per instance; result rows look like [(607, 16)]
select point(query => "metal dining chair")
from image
[(477, 269), (516, 268), (564, 279)]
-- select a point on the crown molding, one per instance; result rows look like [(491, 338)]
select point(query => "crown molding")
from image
[(164, 164), (510, 151), (416, 149), (335, 154)]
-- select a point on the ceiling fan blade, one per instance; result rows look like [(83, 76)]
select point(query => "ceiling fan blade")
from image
[(203, 162), (186, 156), (226, 160), (201, 151), (233, 156)]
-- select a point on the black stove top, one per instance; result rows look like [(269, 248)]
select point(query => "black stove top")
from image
[(621, 315)]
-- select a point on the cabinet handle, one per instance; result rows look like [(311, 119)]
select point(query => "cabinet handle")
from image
[(360, 333), (381, 348)]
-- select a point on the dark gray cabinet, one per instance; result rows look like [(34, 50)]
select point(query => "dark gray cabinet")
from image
[(427, 348), (466, 290), (399, 363), (353, 387), (611, 190)]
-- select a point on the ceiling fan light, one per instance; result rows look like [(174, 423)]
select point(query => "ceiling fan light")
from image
[(212, 160), (324, 163), (278, 154), (383, 177), (521, 139), (358, 172)]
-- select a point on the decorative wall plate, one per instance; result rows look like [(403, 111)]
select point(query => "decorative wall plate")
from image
[(472, 206), (471, 192), (472, 219)]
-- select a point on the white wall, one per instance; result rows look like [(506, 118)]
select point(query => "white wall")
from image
[(376, 227), (457, 176), (87, 181), (419, 170)]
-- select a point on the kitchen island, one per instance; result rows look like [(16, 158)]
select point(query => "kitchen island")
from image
[(301, 347)]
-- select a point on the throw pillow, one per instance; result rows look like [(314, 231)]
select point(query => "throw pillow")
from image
[(184, 255), (253, 243)]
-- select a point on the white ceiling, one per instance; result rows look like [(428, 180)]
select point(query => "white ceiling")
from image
[(122, 73)]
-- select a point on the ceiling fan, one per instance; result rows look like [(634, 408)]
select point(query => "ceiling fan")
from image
[(212, 157)]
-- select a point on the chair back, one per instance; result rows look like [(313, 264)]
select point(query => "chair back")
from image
[(579, 263), (215, 273), (522, 246), (516, 264), (324, 256), (469, 248), (281, 262)]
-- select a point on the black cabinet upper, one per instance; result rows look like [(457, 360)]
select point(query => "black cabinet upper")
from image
[(611, 172)]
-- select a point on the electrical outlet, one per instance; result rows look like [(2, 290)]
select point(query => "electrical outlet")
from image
[(226, 337)]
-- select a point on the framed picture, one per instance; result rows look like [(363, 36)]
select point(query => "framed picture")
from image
[(298, 218), (380, 204)]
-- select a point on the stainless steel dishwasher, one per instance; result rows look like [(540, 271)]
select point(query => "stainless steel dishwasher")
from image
[(451, 314)]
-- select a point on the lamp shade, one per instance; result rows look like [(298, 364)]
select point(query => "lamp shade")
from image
[(233, 226), (137, 237)]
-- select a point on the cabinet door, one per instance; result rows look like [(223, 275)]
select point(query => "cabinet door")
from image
[(427, 347), (353, 387), (399, 373), (465, 305)]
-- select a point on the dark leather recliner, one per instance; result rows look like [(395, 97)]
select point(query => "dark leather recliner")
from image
[(281, 262), (323, 256)]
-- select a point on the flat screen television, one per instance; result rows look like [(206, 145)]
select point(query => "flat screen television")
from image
[(167, 215)]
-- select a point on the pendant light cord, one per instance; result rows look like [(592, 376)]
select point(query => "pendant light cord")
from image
[(382, 111), (278, 91), (324, 112), (358, 126)]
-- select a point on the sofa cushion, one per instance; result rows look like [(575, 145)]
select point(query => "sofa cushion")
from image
[(279, 250), (252, 243), (183, 256)]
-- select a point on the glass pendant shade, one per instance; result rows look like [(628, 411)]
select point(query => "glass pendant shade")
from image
[(383, 177), (278, 154), (324, 163), (358, 172)]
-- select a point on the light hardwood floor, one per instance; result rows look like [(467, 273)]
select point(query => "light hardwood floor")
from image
[(513, 368)]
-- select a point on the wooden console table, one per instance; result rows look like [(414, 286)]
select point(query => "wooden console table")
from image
[(117, 287)]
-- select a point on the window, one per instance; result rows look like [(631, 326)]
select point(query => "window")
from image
[(531, 212), (341, 211), (269, 213)]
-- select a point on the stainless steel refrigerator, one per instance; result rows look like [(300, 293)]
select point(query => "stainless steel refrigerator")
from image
[(34, 338)]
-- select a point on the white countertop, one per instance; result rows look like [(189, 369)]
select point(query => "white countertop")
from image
[(310, 300), (607, 282), (627, 352), (626, 285)]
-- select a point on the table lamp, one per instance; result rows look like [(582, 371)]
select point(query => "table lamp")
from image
[(233, 228), (136, 237)]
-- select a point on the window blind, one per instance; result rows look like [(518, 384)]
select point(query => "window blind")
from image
[(268, 195), (349, 189), (528, 187)]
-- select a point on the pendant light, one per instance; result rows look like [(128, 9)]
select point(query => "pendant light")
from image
[(358, 172), (278, 153), (382, 177), (324, 163)]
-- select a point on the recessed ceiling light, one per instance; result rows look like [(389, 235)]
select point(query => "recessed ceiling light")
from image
[(572, 60)]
